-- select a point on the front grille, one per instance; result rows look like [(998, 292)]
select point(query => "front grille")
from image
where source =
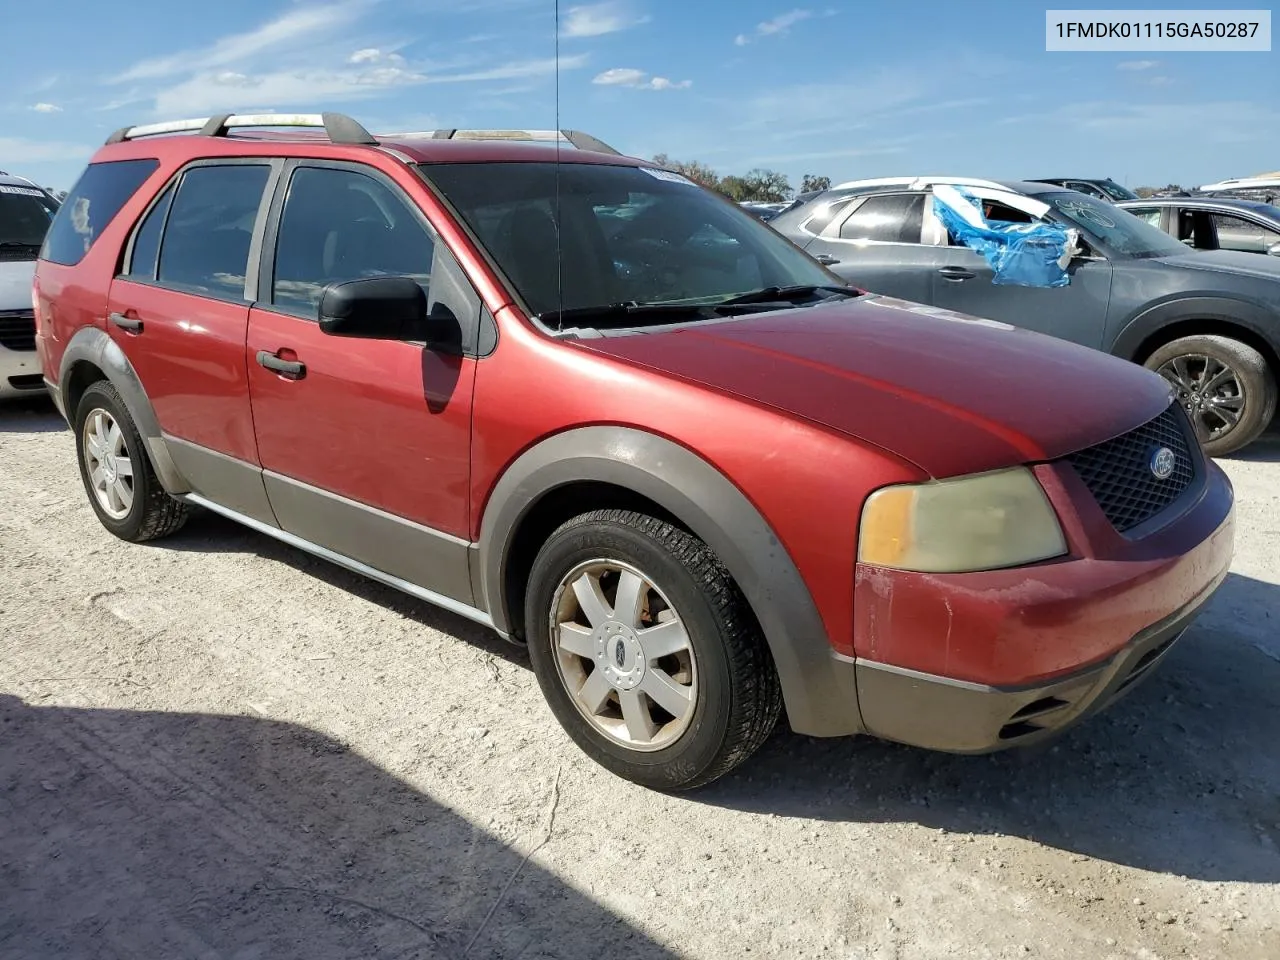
[(18, 329), (1119, 472)]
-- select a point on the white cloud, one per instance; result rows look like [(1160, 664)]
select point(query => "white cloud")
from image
[(514, 71), (226, 89), (43, 107), (374, 55), (1137, 64), (638, 79), (599, 18), (290, 28), (19, 150), (778, 26)]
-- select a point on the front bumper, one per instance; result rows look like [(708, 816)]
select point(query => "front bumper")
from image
[(958, 716), (19, 373)]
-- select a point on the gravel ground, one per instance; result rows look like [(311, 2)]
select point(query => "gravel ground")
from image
[(217, 747)]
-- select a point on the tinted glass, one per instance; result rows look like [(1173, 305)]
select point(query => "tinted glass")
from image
[(91, 205), (206, 240), (896, 218), (818, 223), (25, 216), (1118, 230), (339, 225), (1115, 191), (624, 234), (146, 242), (1236, 233)]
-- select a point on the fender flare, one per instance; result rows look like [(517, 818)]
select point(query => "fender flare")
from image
[(817, 685), (94, 345), (1255, 318)]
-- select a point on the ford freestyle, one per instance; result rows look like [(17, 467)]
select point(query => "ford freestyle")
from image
[(579, 399)]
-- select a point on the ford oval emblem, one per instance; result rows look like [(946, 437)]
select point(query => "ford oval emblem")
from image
[(1163, 463), (620, 652)]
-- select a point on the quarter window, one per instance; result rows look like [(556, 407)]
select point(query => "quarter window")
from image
[(92, 204), (896, 218), (339, 225), (209, 230)]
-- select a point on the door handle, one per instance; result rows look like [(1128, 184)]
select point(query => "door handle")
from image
[(826, 259), (956, 273), (294, 369), (132, 324)]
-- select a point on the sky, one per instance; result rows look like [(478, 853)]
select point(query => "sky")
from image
[(841, 89)]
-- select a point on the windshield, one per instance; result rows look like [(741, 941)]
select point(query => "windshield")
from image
[(628, 235), (1119, 231), (25, 215)]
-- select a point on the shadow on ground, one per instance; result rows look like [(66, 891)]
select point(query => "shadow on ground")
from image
[(1180, 777), (34, 414), (139, 834)]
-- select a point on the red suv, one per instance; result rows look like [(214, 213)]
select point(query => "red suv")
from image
[(583, 401)]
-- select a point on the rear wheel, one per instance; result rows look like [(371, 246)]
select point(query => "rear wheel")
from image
[(1226, 387), (122, 487), (647, 652)]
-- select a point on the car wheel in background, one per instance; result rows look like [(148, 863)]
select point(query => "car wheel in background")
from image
[(1226, 387), (117, 474), (647, 652)]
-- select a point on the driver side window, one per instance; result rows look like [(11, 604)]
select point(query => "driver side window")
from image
[(341, 225)]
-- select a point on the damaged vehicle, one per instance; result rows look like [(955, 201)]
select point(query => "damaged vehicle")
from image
[(1206, 320)]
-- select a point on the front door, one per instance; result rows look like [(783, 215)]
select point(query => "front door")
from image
[(365, 444), (964, 282)]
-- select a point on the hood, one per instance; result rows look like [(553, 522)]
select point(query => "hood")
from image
[(950, 393), (1259, 265), (15, 284)]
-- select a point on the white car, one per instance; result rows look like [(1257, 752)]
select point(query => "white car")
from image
[(25, 213)]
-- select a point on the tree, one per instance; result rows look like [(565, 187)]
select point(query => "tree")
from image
[(695, 171), (813, 182), (767, 186)]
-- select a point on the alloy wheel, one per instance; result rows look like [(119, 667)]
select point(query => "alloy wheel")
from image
[(1209, 390), (624, 655), (108, 464)]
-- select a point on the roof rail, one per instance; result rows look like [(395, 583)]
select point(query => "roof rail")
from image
[(919, 183), (578, 139), (337, 126)]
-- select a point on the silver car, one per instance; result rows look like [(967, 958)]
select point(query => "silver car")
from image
[(25, 213)]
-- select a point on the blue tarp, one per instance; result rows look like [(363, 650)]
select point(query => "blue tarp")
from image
[(1020, 254)]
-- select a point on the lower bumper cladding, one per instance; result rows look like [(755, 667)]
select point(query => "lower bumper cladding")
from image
[(956, 716)]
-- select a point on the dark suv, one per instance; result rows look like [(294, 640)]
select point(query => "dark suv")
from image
[(610, 414)]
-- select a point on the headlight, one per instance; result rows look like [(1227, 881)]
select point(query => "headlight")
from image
[(981, 522)]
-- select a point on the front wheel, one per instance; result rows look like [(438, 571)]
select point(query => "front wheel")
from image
[(647, 652), (1226, 387)]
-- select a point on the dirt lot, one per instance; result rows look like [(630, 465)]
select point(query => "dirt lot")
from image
[(217, 747)]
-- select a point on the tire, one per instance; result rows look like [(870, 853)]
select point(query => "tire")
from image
[(725, 670), (1249, 390), (148, 512)]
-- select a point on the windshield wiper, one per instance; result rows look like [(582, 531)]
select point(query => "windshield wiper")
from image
[(628, 311), (18, 243), (770, 294)]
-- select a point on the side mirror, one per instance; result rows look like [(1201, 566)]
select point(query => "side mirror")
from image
[(1274, 249), (386, 308)]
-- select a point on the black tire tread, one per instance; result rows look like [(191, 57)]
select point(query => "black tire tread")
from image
[(162, 515), (754, 713)]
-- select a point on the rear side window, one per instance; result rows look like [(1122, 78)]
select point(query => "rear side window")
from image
[(206, 239), (91, 206), (896, 218), (146, 242)]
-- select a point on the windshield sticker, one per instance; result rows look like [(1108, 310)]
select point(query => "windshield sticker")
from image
[(1083, 210), (22, 191), (668, 176)]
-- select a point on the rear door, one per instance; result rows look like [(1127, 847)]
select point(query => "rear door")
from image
[(365, 444), (876, 243), (180, 312), (964, 282)]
